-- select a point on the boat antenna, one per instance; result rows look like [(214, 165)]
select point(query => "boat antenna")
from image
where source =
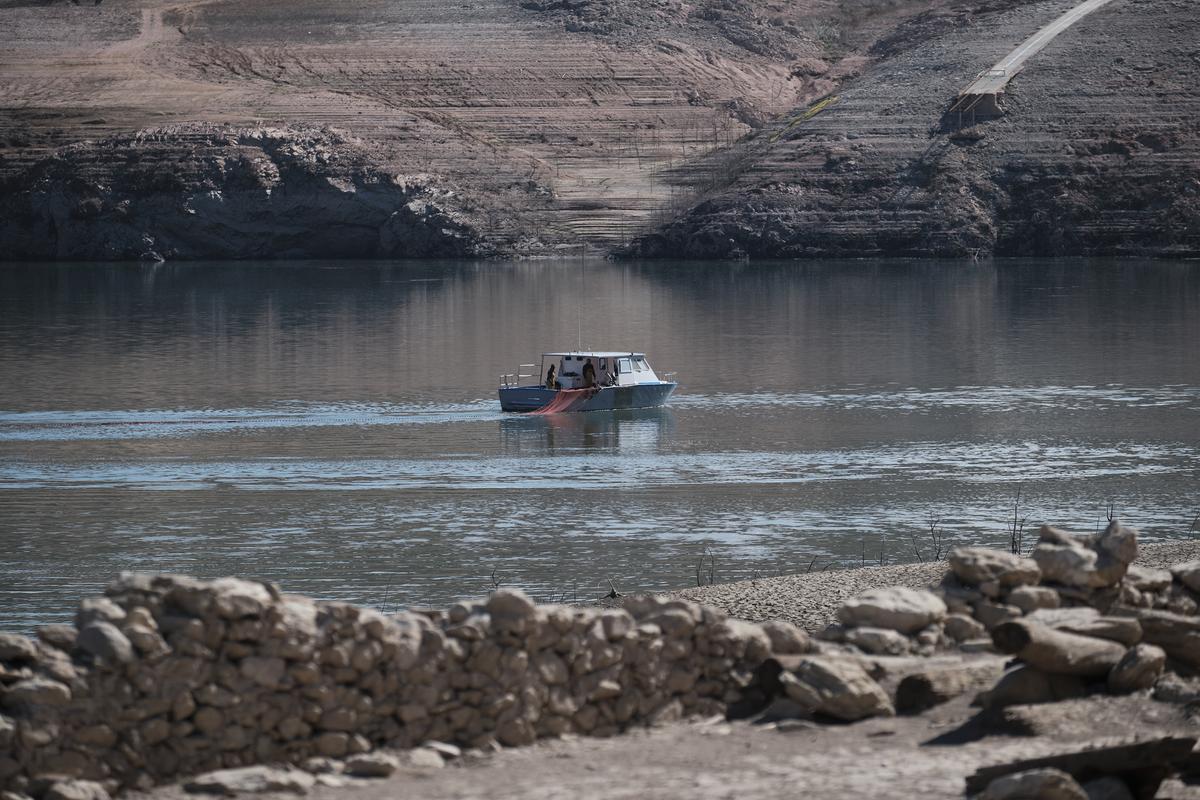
[(579, 302)]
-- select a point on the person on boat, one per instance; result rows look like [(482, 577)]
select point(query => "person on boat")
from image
[(551, 378), (589, 375)]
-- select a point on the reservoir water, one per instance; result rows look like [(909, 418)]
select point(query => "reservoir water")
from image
[(334, 427)]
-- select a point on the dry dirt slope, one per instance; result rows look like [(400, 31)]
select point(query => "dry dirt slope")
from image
[(1098, 153), (547, 121)]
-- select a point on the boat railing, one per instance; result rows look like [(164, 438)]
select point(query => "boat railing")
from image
[(510, 379)]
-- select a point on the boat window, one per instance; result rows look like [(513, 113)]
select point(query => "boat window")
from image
[(641, 364), (623, 365)]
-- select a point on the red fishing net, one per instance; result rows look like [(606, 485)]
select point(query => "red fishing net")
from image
[(566, 400)]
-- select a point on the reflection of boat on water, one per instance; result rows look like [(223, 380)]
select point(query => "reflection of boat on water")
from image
[(625, 431), (586, 381)]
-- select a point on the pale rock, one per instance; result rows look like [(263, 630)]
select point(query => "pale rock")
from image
[(961, 627), (878, 641), (371, 765), (896, 607), (98, 609), (1031, 598), (425, 758), (836, 687), (510, 604), (8, 732), (147, 640), (234, 598), (1090, 561), (60, 637), (36, 692), (1188, 574), (977, 565), (1138, 669), (76, 790), (1045, 783), (551, 668), (444, 749), (1148, 579), (740, 639), (675, 623), (617, 624), (1118, 543), (251, 780), (1057, 652), (786, 638), (105, 641), (1067, 564), (15, 648), (1088, 622), (1178, 634), (140, 615)]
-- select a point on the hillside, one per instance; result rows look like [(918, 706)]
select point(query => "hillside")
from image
[(218, 129), (1097, 152)]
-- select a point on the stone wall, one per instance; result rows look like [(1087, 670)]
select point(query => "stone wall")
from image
[(167, 676)]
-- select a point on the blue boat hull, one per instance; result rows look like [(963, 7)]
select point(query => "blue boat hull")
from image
[(606, 398)]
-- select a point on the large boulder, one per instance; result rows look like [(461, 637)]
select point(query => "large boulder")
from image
[(786, 638), (1149, 579), (878, 641), (836, 687), (894, 607), (1178, 634), (16, 648), (1057, 652), (1188, 574), (1087, 621), (976, 565), (1026, 685), (1138, 669), (1089, 562)]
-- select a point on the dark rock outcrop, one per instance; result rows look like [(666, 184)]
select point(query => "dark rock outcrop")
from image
[(218, 192)]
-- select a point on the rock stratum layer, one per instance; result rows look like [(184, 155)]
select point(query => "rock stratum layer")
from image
[(212, 129), (1097, 152)]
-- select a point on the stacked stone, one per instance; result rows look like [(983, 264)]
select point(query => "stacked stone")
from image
[(168, 676), (894, 621), (838, 682), (1077, 613)]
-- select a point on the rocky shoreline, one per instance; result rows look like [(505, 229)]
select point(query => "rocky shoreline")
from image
[(237, 688)]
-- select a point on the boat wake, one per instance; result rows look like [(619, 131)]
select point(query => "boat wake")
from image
[(174, 423)]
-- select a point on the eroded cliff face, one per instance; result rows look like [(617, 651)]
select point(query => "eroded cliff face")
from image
[(1098, 152), (222, 192)]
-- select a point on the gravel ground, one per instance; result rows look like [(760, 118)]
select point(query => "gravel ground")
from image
[(811, 600)]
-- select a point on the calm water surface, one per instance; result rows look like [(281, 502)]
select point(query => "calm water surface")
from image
[(334, 427)]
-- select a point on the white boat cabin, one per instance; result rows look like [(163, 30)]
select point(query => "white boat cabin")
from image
[(612, 368)]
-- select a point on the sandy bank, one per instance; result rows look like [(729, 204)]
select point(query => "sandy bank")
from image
[(811, 600)]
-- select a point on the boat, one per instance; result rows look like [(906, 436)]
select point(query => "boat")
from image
[(585, 381)]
